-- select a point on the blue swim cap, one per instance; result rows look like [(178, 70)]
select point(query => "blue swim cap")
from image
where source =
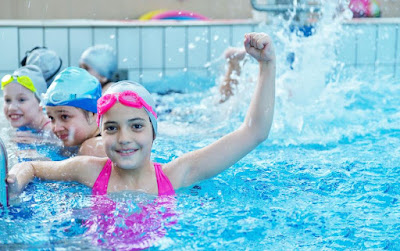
[(102, 58), (74, 87)]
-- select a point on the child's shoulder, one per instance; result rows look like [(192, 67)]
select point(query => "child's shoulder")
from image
[(86, 168), (92, 147)]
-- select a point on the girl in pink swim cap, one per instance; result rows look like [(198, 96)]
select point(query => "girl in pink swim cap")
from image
[(128, 125)]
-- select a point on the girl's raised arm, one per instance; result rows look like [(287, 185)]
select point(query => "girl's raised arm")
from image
[(215, 158)]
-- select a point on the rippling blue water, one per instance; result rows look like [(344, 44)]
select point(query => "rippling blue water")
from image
[(327, 177)]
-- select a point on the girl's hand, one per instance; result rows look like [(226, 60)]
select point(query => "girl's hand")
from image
[(259, 46), (18, 177), (13, 187)]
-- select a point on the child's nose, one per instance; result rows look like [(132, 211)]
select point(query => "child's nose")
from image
[(123, 136), (13, 106), (57, 126)]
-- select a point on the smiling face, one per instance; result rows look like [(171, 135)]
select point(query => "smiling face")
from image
[(21, 107), (127, 136), (71, 124)]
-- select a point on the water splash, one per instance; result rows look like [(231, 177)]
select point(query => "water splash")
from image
[(318, 101)]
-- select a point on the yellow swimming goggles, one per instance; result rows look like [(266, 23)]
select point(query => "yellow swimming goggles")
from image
[(25, 81)]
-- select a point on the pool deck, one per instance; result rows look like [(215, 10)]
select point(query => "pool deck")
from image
[(119, 23), (374, 21), (133, 23)]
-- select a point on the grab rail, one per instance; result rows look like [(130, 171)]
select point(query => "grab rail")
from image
[(262, 5), (3, 174)]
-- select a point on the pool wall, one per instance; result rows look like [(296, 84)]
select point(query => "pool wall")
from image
[(151, 51), (372, 46)]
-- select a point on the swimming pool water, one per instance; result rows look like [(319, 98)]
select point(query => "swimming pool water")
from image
[(327, 178)]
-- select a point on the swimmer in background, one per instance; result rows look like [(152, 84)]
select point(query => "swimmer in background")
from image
[(128, 122), (233, 57), (47, 60), (101, 62), (70, 104)]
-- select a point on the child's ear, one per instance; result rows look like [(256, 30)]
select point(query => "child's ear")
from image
[(103, 80), (92, 117)]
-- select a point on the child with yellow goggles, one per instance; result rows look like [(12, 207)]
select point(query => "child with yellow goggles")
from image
[(21, 94)]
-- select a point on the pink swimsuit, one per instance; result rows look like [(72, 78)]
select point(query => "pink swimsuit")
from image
[(101, 184), (113, 225)]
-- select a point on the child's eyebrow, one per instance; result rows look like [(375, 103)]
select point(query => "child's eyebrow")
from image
[(62, 111), (130, 120), (21, 95), (58, 112), (135, 119)]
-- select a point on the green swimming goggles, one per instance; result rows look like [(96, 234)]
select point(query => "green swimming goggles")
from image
[(25, 81)]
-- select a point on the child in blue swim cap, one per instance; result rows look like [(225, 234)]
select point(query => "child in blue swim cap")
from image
[(101, 62), (70, 104)]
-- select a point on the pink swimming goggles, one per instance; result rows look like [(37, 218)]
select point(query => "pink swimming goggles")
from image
[(127, 98)]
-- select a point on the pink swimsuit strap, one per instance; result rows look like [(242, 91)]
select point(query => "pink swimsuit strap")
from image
[(44, 125), (101, 184), (163, 183)]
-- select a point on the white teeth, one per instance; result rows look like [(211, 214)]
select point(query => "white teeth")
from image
[(126, 151), (15, 116)]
